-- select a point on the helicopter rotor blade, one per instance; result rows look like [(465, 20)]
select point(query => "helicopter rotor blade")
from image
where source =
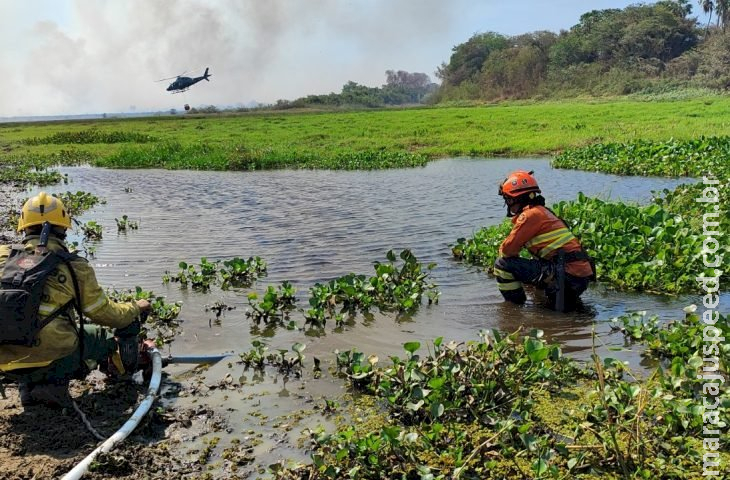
[(170, 78)]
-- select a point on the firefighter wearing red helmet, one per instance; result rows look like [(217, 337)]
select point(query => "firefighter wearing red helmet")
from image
[(560, 265)]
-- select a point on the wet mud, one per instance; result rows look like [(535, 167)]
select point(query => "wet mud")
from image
[(39, 442)]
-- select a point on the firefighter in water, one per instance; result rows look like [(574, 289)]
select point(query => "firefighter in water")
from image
[(561, 267), (65, 348)]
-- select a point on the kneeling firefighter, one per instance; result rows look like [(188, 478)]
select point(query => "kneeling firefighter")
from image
[(561, 267), (45, 293)]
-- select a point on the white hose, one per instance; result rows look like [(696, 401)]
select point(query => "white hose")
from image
[(80, 469)]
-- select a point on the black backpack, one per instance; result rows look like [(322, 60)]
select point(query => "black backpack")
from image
[(21, 291)]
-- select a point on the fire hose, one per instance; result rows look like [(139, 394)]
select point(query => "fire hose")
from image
[(157, 363)]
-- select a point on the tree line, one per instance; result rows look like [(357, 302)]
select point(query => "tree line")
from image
[(401, 88), (613, 51), (647, 48)]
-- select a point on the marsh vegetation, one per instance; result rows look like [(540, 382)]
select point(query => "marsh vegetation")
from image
[(508, 404)]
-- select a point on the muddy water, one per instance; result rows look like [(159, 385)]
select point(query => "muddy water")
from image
[(312, 226)]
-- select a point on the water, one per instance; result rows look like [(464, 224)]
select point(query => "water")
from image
[(312, 226)]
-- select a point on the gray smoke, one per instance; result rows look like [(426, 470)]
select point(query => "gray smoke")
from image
[(106, 56), (95, 56)]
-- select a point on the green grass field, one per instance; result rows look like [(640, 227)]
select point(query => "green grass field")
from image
[(351, 139)]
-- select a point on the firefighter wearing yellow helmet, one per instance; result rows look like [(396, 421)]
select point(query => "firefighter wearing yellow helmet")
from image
[(62, 347), (44, 208)]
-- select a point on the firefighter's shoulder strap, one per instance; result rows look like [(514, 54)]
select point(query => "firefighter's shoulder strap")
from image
[(67, 258)]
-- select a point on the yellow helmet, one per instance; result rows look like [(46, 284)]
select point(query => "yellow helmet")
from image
[(43, 208)]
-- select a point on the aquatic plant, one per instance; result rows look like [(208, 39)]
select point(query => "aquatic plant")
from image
[(258, 358), (20, 176), (402, 287), (514, 407), (163, 316), (88, 250), (92, 135), (208, 156), (635, 325), (125, 223), (683, 201), (442, 408), (23, 170), (492, 375), (218, 308), (346, 295), (289, 365), (168, 154), (679, 338), (351, 364), (482, 249), (274, 306), (370, 160), (670, 404), (79, 202), (232, 273), (197, 279), (91, 230), (238, 272), (671, 158), (396, 286)]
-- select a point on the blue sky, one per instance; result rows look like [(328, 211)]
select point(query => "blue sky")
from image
[(95, 56)]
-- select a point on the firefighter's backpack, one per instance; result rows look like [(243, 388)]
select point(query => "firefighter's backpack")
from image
[(21, 291)]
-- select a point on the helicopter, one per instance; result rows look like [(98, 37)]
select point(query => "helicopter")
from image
[(182, 84)]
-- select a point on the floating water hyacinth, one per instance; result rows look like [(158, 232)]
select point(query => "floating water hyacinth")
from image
[(671, 158)]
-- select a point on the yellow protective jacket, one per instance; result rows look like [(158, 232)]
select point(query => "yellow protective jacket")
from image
[(59, 339)]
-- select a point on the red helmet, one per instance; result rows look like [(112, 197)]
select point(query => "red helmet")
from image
[(518, 183)]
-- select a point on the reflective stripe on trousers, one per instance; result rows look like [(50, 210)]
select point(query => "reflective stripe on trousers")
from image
[(512, 271), (506, 281)]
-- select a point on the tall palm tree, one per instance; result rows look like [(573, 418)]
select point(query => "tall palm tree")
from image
[(722, 10), (708, 6)]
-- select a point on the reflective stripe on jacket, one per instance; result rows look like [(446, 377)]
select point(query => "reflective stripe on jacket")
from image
[(59, 338), (542, 233)]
